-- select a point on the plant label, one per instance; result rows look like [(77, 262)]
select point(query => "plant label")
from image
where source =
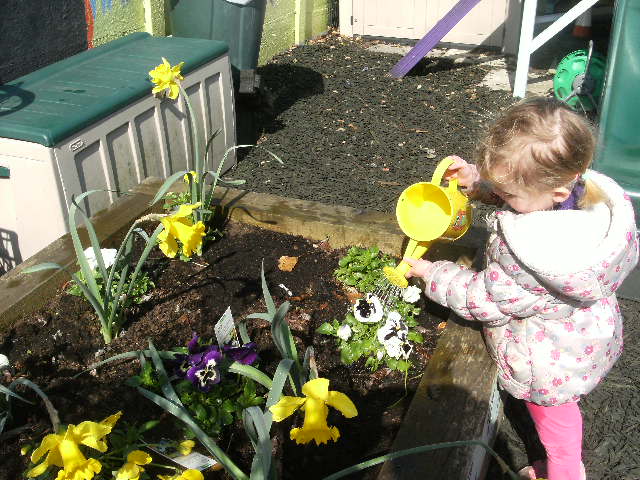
[(225, 329)]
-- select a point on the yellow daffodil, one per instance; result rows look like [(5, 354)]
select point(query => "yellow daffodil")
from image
[(166, 78), (186, 475), (194, 175), (179, 226), (186, 446), (132, 469), (314, 404), (63, 450)]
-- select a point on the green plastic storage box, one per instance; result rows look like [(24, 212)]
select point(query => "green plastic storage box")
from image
[(239, 24), (90, 122)]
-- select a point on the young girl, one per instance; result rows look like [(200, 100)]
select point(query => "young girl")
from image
[(557, 251)]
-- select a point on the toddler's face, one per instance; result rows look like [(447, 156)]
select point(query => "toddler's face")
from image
[(523, 200)]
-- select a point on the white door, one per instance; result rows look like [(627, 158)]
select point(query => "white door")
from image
[(484, 24)]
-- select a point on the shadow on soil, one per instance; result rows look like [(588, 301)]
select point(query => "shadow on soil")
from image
[(282, 85)]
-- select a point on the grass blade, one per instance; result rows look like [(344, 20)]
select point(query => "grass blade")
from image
[(425, 448), (166, 185), (252, 373), (43, 266), (53, 413), (164, 354)]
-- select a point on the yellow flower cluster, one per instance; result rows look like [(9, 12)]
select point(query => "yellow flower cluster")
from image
[(63, 450), (180, 226), (166, 78)]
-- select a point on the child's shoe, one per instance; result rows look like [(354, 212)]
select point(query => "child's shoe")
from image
[(534, 472), (539, 471)]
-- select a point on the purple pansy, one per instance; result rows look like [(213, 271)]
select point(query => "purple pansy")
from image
[(201, 365), (246, 354), (204, 372)]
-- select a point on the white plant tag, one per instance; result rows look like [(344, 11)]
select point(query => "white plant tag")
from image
[(225, 329), (195, 460)]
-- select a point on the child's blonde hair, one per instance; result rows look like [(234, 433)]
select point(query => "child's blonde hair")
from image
[(540, 144)]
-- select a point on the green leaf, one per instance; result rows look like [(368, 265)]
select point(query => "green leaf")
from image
[(252, 373), (415, 336), (166, 185), (349, 354), (326, 328), (42, 266)]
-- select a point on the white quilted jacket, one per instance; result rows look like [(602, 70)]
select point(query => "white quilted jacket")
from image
[(547, 295)]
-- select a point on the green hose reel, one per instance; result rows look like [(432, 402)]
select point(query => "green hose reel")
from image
[(580, 78)]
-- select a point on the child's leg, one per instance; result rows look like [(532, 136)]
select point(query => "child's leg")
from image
[(560, 431)]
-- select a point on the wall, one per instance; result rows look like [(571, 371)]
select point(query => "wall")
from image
[(111, 19), (291, 22), (35, 33)]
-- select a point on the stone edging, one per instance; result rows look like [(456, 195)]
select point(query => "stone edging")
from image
[(456, 397)]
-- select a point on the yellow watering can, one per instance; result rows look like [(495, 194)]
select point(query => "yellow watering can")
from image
[(427, 212)]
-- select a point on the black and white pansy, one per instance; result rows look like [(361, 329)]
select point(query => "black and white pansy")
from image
[(393, 335), (411, 294), (368, 309)]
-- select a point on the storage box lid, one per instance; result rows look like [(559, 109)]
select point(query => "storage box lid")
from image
[(51, 104)]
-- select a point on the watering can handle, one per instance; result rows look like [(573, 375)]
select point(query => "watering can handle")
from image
[(442, 167)]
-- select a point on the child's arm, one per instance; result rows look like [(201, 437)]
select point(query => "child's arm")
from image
[(489, 296)]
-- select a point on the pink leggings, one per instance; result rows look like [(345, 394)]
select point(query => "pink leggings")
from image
[(560, 431)]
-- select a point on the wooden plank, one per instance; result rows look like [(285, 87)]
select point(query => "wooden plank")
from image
[(455, 400), (433, 36)]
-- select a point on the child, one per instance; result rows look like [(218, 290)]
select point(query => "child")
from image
[(557, 251)]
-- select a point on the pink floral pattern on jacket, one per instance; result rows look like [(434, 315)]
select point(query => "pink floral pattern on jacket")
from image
[(551, 317)]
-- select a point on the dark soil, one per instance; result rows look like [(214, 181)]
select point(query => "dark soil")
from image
[(61, 340)]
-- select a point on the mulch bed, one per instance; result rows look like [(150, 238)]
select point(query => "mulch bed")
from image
[(52, 345), (350, 135)]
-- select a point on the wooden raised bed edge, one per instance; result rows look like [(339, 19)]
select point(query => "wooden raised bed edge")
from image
[(456, 398)]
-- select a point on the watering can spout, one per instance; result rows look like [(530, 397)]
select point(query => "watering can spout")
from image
[(426, 212)]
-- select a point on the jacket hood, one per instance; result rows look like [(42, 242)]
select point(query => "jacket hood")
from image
[(593, 249)]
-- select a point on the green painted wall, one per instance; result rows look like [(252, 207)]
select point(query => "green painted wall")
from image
[(121, 19), (320, 17), (279, 33)]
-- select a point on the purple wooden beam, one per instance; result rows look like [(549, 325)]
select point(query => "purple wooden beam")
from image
[(432, 37)]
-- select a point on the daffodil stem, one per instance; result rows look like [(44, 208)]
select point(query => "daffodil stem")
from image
[(425, 448), (197, 160)]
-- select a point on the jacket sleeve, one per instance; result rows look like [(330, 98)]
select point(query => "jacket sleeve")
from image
[(490, 295)]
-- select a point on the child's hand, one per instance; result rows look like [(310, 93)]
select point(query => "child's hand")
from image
[(466, 173), (419, 268)]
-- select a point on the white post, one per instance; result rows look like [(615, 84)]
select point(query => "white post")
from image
[(524, 49), (528, 44), (562, 22)]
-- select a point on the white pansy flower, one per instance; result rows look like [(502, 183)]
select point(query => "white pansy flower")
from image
[(380, 354), (4, 361), (344, 332), (108, 256), (393, 336), (411, 294), (368, 309), (393, 348)]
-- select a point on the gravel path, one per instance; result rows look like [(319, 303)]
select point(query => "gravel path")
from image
[(350, 135)]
